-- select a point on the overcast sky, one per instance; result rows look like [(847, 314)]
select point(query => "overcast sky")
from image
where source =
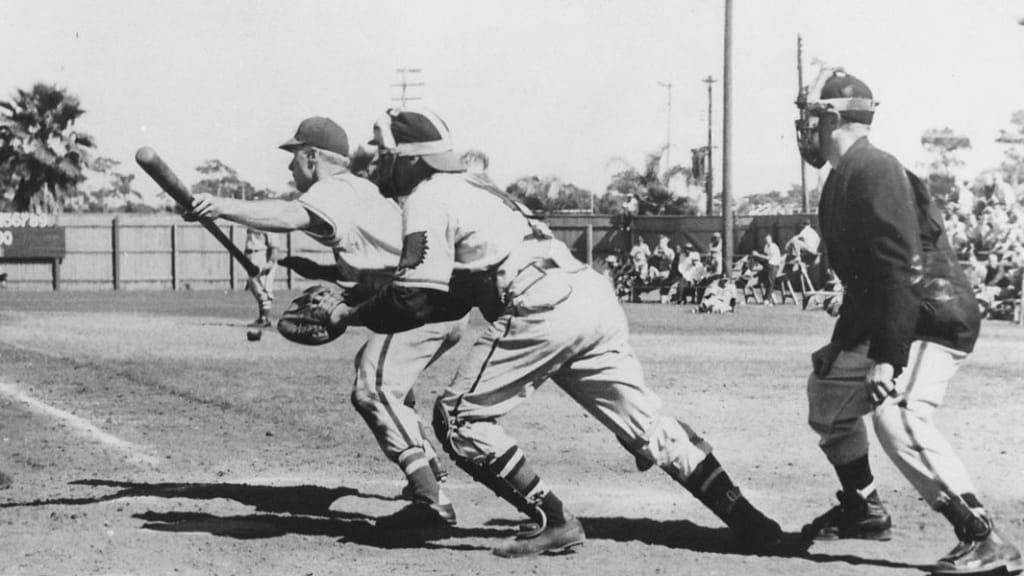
[(545, 87)]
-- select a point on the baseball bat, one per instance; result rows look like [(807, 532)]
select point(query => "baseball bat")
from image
[(160, 172)]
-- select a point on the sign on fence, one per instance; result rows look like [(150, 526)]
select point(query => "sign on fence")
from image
[(30, 237)]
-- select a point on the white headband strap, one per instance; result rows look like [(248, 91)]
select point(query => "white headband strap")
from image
[(423, 148), (846, 104)]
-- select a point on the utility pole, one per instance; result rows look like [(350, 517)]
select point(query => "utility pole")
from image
[(727, 218), (405, 84), (709, 177), (668, 128), (801, 98)]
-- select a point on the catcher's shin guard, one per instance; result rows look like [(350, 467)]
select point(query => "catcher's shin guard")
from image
[(493, 474)]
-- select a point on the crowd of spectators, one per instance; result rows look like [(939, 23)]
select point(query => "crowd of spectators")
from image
[(678, 272), (985, 225)]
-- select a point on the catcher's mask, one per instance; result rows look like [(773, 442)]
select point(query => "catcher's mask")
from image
[(833, 94), (407, 132)]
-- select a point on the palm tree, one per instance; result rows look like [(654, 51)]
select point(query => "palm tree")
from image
[(41, 157), (652, 187)]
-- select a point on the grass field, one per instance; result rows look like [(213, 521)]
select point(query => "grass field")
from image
[(145, 435)]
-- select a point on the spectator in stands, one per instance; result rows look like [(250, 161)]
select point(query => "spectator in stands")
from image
[(691, 273), (1014, 267), (987, 234), (1011, 230), (771, 260), (659, 266), (638, 256), (475, 161), (662, 255), (973, 230), (995, 192), (974, 270), (805, 244), (965, 200), (995, 270), (672, 288), (610, 268), (630, 210), (956, 230), (3, 278), (714, 260)]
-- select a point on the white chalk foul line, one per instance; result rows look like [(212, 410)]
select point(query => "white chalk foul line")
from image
[(81, 426)]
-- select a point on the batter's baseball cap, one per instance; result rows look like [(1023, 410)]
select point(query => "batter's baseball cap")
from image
[(417, 132), (319, 132)]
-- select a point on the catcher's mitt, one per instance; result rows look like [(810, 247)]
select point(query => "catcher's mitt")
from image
[(307, 319)]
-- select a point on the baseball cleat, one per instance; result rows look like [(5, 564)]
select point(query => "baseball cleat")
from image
[(853, 517), (419, 516), (260, 322), (991, 554), (408, 492), (553, 538), (754, 531)]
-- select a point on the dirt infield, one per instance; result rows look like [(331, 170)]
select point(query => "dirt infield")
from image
[(145, 435)]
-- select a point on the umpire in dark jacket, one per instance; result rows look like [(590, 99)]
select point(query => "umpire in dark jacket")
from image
[(907, 322)]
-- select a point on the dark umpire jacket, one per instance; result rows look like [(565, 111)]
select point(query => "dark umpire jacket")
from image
[(886, 241)]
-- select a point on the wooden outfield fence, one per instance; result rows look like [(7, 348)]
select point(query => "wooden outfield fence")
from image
[(162, 252)]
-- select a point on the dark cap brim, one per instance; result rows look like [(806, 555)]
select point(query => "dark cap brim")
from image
[(292, 145)]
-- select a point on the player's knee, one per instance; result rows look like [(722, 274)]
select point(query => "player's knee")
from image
[(823, 419), (673, 446), (903, 419), (452, 434), (363, 399), (443, 425), (819, 425)]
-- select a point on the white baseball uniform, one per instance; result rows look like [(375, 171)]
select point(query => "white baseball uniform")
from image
[(364, 230), (559, 319), (258, 245)]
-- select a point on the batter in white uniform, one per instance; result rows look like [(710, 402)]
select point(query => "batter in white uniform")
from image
[(363, 228)]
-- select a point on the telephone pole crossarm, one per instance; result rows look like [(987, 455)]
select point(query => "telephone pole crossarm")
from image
[(405, 84)]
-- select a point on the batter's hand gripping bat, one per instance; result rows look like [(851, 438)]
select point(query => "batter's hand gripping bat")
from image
[(159, 171)]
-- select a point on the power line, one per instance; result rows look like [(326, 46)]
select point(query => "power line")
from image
[(405, 84)]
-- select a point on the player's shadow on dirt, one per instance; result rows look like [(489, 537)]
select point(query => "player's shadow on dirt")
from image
[(359, 531), (283, 510), (306, 499), (683, 534)]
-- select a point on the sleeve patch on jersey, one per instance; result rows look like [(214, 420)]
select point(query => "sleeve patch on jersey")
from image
[(414, 250)]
